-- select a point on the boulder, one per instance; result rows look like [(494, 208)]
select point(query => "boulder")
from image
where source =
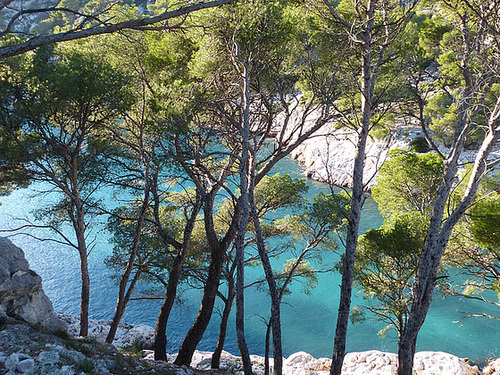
[(126, 334), (21, 293), (372, 362), (375, 362), (431, 363), (493, 367)]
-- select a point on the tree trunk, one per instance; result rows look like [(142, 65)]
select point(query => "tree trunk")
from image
[(438, 235), (367, 90), (218, 250), (215, 364), (273, 288), (85, 294), (267, 368), (245, 177), (217, 256), (122, 302), (200, 324), (84, 269), (160, 344)]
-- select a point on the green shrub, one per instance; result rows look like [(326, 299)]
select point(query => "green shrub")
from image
[(86, 365), (420, 145)]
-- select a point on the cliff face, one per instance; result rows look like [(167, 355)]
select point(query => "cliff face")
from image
[(328, 156), (21, 294)]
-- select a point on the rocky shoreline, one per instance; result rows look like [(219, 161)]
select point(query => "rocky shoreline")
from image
[(328, 156), (25, 350)]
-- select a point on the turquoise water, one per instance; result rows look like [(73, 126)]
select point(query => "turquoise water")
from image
[(308, 319)]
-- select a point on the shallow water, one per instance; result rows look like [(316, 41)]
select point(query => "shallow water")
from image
[(308, 319)]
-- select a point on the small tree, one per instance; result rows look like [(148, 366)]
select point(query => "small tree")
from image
[(475, 248), (386, 264), (63, 102), (408, 182)]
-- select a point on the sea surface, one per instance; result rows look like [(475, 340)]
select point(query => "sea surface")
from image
[(308, 319)]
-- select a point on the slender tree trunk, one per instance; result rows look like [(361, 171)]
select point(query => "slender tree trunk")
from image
[(85, 295), (217, 256), (438, 236), (367, 89), (245, 178), (273, 289), (267, 352), (218, 249), (200, 324), (84, 269), (122, 302), (160, 344), (240, 285), (215, 364)]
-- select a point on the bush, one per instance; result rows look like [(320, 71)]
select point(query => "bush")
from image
[(420, 145)]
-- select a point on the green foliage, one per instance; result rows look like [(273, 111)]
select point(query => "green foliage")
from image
[(442, 112), (484, 221), (329, 209), (86, 365), (279, 191), (432, 31), (154, 257), (133, 350), (386, 263), (300, 269), (420, 145), (408, 182)]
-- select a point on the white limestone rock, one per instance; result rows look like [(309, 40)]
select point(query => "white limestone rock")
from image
[(21, 293), (432, 363), (425, 363), (126, 334), (303, 363), (372, 362), (328, 155), (493, 368)]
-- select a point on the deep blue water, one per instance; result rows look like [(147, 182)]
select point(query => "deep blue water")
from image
[(308, 319)]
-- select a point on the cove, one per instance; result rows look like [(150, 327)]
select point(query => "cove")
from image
[(308, 319)]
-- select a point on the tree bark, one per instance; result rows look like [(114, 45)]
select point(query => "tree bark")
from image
[(122, 302), (367, 89), (215, 364), (267, 367), (273, 288), (84, 269), (160, 344), (85, 295)]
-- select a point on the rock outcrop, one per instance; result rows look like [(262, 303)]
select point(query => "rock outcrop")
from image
[(25, 350), (328, 156), (425, 363), (21, 294), (127, 335)]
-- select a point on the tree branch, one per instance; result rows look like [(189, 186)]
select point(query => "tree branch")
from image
[(38, 41)]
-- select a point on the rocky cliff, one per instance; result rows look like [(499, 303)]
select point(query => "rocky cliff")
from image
[(21, 293)]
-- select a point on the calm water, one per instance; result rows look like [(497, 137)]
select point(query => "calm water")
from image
[(308, 319)]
